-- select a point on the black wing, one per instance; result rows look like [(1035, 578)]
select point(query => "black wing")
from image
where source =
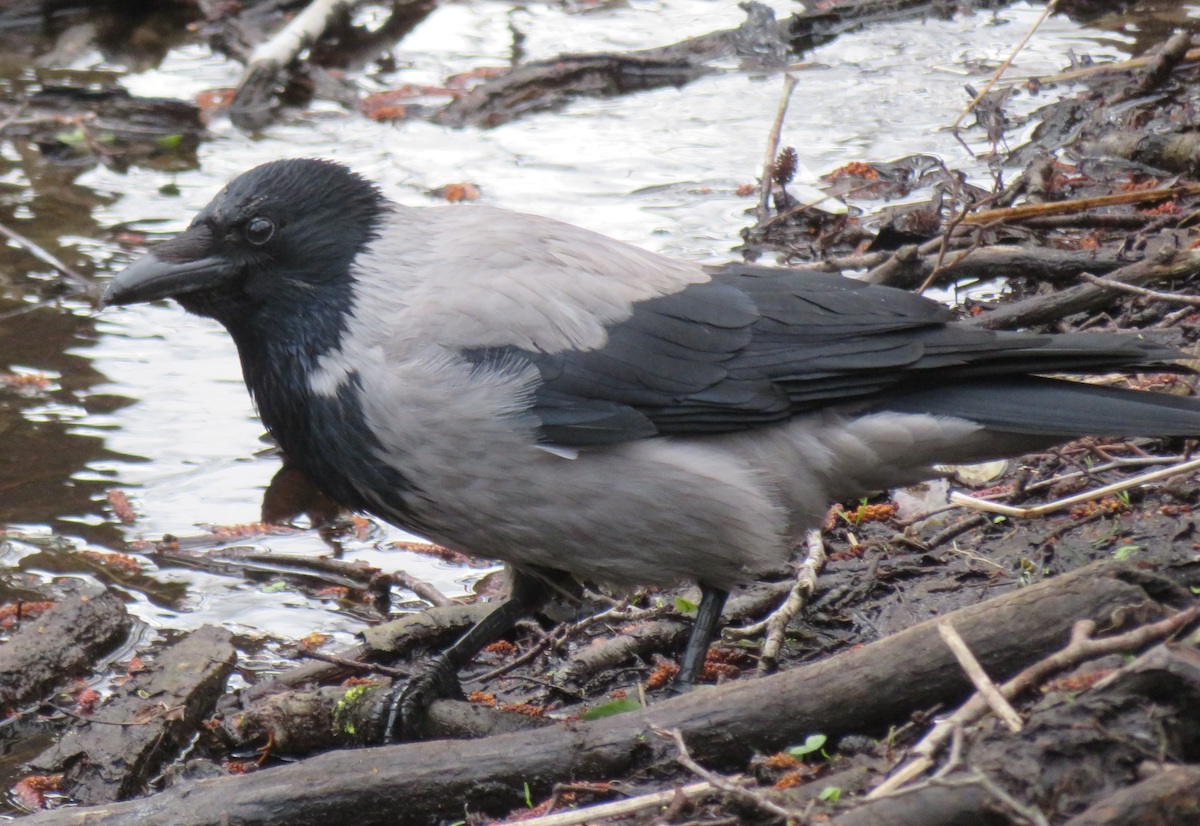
[(758, 345)]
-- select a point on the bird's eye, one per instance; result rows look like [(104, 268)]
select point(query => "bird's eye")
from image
[(260, 230)]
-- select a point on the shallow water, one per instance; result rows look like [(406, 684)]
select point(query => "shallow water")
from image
[(150, 401)]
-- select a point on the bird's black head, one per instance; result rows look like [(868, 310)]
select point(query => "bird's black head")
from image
[(279, 236)]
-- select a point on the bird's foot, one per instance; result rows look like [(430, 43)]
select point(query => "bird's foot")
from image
[(407, 709), (678, 688)]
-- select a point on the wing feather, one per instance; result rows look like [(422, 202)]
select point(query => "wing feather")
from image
[(756, 345)]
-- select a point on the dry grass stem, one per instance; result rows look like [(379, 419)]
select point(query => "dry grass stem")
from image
[(963, 499), (979, 678)]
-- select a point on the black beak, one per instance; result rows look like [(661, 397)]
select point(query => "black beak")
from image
[(176, 267)]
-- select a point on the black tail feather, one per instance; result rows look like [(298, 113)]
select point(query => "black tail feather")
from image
[(1055, 407)]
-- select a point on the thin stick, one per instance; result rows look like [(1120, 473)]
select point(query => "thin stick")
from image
[(979, 678), (726, 784), (1004, 66), (768, 173), (1019, 213), (355, 665), (620, 808), (1080, 649), (47, 258), (1175, 298), (421, 588), (1192, 55), (1132, 482), (801, 593)]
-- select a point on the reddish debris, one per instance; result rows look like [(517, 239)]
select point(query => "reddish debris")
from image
[(118, 500), (662, 675), (502, 647), (334, 592), (31, 791), (454, 193), (313, 641), (212, 101), (438, 552), (1107, 506), (15, 612), (387, 106), (797, 777), (1077, 682), (524, 708), (118, 563), (25, 381), (86, 700), (783, 760), (484, 698), (226, 533)]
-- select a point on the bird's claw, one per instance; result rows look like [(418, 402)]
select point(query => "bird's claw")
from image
[(407, 717)]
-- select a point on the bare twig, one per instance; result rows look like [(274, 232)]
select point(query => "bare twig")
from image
[(768, 173), (621, 808), (272, 56), (727, 784), (622, 611), (1058, 504), (803, 586), (90, 720), (354, 665), (1191, 56), (1081, 648), (802, 590), (421, 588), (1019, 213), (66, 271), (939, 267), (1174, 298), (1046, 12), (979, 678)]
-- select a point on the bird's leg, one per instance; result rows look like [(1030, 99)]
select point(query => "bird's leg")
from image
[(704, 629), (530, 591)]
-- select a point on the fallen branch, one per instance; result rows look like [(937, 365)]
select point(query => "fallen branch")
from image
[(1168, 263), (1171, 795), (908, 267), (425, 590), (862, 689), (1081, 648), (1109, 284), (151, 718), (1020, 213), (436, 626), (64, 642), (1116, 67), (943, 802), (269, 59)]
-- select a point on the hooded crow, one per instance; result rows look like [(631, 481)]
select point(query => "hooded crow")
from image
[(518, 388)]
